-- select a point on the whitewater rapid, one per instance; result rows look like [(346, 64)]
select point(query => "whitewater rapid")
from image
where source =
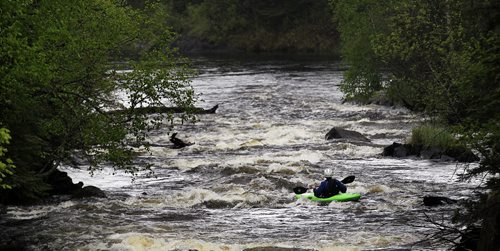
[(232, 189)]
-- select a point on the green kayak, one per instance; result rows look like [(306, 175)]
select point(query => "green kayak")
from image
[(338, 197)]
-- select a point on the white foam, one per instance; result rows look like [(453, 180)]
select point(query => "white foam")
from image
[(35, 212), (354, 151), (104, 179), (286, 160), (232, 196), (284, 169), (142, 242)]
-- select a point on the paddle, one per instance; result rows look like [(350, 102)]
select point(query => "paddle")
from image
[(346, 180)]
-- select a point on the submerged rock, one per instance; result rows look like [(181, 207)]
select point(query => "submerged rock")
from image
[(432, 201), (340, 133), (89, 191)]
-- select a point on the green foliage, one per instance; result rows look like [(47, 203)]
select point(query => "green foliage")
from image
[(6, 164), (485, 139), (59, 79), (441, 58), (436, 56), (359, 22), (429, 135)]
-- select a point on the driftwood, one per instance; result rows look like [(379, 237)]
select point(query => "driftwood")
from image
[(178, 143), (164, 109)]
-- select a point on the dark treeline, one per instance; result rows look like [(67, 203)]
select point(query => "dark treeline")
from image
[(282, 26)]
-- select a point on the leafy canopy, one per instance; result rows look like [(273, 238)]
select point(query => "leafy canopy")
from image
[(67, 63)]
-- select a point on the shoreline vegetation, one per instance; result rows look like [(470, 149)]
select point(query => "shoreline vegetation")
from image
[(438, 58)]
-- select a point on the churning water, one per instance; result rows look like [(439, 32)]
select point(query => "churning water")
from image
[(232, 190)]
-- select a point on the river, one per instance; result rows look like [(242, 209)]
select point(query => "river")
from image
[(232, 189)]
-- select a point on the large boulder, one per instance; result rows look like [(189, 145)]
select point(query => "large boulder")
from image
[(340, 133), (61, 183), (89, 191)]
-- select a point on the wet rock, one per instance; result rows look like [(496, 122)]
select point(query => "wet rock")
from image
[(400, 150), (340, 133), (460, 154), (215, 204), (432, 201), (61, 183), (431, 153), (89, 191)]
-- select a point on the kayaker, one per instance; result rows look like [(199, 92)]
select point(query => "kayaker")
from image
[(329, 187)]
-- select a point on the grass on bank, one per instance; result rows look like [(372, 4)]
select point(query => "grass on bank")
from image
[(429, 135)]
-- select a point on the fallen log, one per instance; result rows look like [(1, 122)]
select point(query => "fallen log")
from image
[(165, 109)]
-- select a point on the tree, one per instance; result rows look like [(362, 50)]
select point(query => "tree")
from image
[(359, 22), (60, 77)]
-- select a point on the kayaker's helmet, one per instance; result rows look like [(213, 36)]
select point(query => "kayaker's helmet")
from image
[(328, 173)]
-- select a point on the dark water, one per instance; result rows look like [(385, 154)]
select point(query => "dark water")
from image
[(232, 190)]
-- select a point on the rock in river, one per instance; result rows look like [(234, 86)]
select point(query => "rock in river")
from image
[(340, 133)]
